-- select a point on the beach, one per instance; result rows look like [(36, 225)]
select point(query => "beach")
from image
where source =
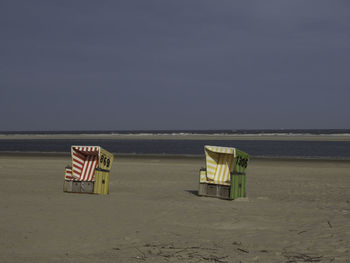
[(296, 210)]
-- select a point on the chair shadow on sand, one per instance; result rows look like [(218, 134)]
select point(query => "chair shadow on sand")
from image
[(194, 192)]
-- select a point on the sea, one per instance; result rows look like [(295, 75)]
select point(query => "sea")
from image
[(256, 148)]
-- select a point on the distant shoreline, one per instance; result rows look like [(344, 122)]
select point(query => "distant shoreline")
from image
[(271, 137), (36, 154)]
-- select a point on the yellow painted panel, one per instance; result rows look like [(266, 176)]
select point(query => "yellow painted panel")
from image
[(104, 183), (97, 182), (101, 185), (105, 160), (105, 189)]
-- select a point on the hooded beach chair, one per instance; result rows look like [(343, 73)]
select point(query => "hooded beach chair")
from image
[(90, 169), (224, 175)]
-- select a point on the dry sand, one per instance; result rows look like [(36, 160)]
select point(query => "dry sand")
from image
[(296, 211)]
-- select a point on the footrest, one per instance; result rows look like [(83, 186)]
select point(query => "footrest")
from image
[(78, 187), (214, 190)]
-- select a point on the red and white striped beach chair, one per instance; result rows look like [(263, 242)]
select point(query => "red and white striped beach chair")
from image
[(86, 160)]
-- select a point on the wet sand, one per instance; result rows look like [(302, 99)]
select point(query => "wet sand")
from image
[(296, 211)]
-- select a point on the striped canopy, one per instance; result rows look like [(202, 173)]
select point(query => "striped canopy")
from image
[(220, 149), (84, 162), (220, 163)]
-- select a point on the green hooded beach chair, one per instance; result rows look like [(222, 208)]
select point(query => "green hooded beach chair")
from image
[(224, 175)]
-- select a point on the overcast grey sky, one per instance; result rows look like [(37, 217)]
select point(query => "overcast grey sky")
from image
[(72, 65)]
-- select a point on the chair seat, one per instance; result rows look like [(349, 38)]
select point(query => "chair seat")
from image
[(218, 182)]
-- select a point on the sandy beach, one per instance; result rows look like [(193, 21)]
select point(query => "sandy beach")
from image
[(295, 211)]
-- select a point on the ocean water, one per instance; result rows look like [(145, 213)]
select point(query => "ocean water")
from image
[(260, 148), (239, 131)]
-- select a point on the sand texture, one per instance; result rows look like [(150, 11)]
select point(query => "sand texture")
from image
[(296, 211)]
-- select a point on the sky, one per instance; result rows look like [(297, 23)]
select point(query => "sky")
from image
[(150, 65)]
